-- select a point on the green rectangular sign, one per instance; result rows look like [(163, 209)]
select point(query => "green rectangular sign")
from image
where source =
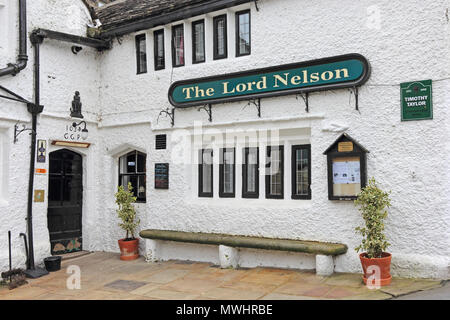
[(344, 71), (416, 100)]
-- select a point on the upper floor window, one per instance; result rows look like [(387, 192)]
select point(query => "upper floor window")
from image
[(220, 37), (178, 46), (198, 41), (141, 54), (132, 168), (227, 173), (301, 172), (158, 39), (242, 33), (205, 173), (275, 172), (250, 173)]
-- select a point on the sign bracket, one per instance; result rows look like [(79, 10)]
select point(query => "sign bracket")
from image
[(256, 5), (257, 103), (305, 99), (170, 114), (355, 91), (208, 109)]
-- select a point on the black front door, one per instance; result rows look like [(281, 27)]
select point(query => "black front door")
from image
[(65, 191)]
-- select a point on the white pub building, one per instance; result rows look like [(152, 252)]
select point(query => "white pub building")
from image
[(239, 123)]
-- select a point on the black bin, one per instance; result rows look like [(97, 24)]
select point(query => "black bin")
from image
[(52, 263)]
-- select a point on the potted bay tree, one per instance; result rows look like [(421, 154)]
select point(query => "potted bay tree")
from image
[(129, 246), (375, 261)]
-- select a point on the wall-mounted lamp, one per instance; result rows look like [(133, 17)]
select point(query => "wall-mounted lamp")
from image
[(84, 131), (17, 131), (75, 111)]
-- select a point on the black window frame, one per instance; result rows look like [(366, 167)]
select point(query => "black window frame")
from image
[(238, 54), (174, 65), (216, 19), (194, 23), (137, 174), (245, 193), (155, 49), (202, 194), (268, 163), (222, 193), (138, 39), (294, 171)]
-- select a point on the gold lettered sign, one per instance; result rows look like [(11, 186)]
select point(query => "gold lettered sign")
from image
[(346, 146), (39, 195)]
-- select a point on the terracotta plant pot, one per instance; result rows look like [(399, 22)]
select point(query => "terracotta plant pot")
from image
[(129, 250), (384, 263)]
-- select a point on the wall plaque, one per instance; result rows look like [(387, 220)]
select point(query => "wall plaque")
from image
[(39, 195), (41, 151), (416, 100), (161, 176)]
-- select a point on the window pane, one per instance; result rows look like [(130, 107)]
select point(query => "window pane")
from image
[(131, 163), (301, 172), (199, 41), (178, 43), (140, 191), (221, 37), (206, 171), (159, 49), (251, 163), (228, 171), (141, 162), (275, 171), (244, 33), (141, 54)]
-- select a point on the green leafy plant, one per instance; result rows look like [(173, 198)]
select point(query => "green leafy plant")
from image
[(126, 211), (372, 202)]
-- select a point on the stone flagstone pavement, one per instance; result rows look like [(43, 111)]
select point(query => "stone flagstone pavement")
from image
[(105, 276)]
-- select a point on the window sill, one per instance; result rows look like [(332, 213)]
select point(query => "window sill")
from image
[(262, 203)]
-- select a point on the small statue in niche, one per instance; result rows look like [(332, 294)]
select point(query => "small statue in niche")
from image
[(75, 111)]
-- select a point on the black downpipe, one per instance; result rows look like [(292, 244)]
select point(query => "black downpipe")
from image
[(22, 58)]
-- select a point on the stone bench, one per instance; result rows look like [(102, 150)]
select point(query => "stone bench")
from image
[(228, 244)]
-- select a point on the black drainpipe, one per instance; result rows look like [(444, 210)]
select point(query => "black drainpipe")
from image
[(22, 58)]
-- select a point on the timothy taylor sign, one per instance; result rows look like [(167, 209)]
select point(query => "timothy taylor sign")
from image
[(345, 71)]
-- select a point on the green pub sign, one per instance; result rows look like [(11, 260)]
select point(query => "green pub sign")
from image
[(346, 71), (416, 100)]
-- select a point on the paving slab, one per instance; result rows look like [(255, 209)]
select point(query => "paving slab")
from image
[(104, 276)]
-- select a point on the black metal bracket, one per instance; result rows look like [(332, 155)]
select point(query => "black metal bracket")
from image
[(305, 98), (15, 97), (355, 91), (208, 109), (256, 5), (256, 103), (170, 114), (18, 131)]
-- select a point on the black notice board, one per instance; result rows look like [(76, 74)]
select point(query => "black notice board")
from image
[(161, 176)]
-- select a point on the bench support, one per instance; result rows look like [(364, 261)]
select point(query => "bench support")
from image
[(152, 248), (228, 256), (324, 265)]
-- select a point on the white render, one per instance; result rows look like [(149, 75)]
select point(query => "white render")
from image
[(403, 41)]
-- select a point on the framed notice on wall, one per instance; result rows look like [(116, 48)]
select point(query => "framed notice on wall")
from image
[(346, 168), (161, 176)]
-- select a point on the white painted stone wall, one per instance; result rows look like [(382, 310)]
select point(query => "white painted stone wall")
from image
[(409, 42), (61, 74)]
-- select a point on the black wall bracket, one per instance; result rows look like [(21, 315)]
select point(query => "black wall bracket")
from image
[(355, 91), (208, 109), (18, 131), (305, 98), (256, 103), (168, 113), (256, 5)]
